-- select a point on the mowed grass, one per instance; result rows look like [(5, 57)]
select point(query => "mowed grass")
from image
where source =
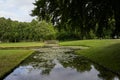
[(22, 44), (11, 58), (103, 52)]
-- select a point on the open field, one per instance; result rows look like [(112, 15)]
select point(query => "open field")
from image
[(11, 58), (103, 52)]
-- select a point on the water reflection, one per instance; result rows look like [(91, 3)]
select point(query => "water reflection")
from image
[(59, 64)]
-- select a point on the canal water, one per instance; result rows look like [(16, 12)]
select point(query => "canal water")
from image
[(59, 64)]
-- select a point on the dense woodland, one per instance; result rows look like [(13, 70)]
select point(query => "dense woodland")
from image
[(81, 19), (65, 20), (14, 31)]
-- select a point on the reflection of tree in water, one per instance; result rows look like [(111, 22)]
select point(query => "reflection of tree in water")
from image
[(38, 63), (106, 74), (44, 61), (79, 63), (82, 65), (69, 60)]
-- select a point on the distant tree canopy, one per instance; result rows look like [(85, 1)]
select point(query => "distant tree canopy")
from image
[(14, 31), (82, 18)]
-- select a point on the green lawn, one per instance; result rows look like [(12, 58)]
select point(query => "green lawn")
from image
[(21, 44), (11, 58), (103, 52)]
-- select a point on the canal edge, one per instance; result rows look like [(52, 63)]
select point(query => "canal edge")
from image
[(7, 73)]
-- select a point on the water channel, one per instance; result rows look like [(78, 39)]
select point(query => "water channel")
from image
[(59, 64)]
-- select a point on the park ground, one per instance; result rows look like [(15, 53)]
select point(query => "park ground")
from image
[(103, 52), (10, 58)]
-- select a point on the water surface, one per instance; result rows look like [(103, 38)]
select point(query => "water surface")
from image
[(59, 64)]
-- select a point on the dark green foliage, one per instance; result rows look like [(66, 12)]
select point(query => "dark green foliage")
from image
[(14, 31), (81, 17), (64, 35)]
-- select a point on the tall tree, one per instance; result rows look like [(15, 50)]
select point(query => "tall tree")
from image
[(80, 16), (116, 9)]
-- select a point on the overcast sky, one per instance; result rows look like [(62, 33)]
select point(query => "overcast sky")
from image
[(16, 9)]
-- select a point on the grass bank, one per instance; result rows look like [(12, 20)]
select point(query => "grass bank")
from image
[(103, 52), (11, 58), (21, 44)]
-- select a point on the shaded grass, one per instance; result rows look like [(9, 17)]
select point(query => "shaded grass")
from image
[(103, 52), (21, 44), (11, 58)]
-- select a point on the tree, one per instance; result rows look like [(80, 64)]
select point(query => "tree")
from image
[(14, 31), (80, 16), (45, 31), (116, 10)]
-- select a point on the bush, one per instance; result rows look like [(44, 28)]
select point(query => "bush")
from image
[(45, 31)]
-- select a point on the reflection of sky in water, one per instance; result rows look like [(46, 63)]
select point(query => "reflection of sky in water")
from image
[(57, 73), (116, 78), (59, 67)]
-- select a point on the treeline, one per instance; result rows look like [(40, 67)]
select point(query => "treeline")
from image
[(81, 19), (14, 31)]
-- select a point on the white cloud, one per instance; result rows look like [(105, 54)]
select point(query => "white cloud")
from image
[(16, 9)]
